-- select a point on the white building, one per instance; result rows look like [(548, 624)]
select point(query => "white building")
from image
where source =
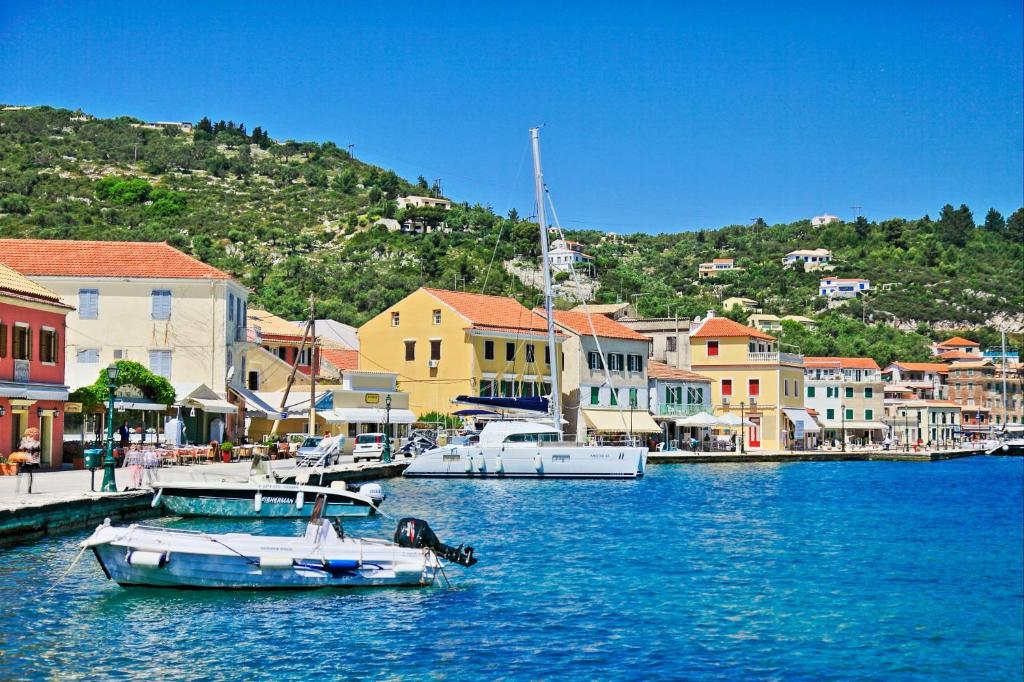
[(839, 287), (673, 394), (565, 254), (715, 267), (809, 259), (822, 220), (423, 202)]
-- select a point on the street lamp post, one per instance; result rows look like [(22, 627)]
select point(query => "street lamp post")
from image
[(906, 432), (385, 455), (109, 483), (842, 414), (742, 424)]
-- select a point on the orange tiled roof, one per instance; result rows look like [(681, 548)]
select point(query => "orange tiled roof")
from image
[(722, 260), (498, 313), (274, 327), (923, 366), (659, 370), (604, 326), (16, 284), (341, 358), (844, 363), (70, 258), (957, 341), (959, 355), (723, 326)]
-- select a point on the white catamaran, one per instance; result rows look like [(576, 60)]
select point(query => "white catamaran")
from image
[(531, 449)]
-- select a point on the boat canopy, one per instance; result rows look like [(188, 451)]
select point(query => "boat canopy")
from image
[(366, 415), (526, 404), (498, 432)]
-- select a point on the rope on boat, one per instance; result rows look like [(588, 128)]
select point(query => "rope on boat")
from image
[(60, 579)]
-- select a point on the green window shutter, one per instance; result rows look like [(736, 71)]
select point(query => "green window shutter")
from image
[(810, 391), (868, 414), (849, 414), (595, 395), (869, 392), (849, 391), (632, 398), (830, 414)]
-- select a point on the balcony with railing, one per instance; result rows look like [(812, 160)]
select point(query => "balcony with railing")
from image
[(682, 410), (21, 372), (774, 358), (251, 334)]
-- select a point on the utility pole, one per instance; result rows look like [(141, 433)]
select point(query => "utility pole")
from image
[(351, 154), (437, 188), (856, 211)]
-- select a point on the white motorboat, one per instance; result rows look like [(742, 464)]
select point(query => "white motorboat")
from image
[(523, 449), (139, 555), (262, 496)]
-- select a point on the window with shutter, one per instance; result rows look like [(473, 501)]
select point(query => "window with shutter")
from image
[(88, 304), (435, 349), (410, 350), (510, 352), (161, 304), (3, 340), (160, 363), (531, 352), (595, 395), (488, 350), (87, 356), (48, 346)]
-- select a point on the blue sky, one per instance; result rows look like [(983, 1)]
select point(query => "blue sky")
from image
[(658, 117)]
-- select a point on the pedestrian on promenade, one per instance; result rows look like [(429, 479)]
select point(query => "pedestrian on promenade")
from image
[(28, 457)]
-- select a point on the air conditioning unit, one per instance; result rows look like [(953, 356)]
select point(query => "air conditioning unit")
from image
[(726, 400), (432, 364), (753, 400), (120, 353)]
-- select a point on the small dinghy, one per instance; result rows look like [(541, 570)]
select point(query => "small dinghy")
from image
[(151, 556), (261, 495)]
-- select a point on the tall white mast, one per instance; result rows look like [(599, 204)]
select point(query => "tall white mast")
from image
[(1004, 378), (538, 184)]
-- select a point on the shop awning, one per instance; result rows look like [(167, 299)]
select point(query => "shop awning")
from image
[(10, 389), (210, 405), (256, 406), (802, 420), (635, 421), (138, 404), (366, 415), (864, 425)]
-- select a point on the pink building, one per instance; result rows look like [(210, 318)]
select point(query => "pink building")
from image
[(32, 389)]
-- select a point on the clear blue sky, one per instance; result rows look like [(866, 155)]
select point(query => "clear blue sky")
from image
[(658, 117)]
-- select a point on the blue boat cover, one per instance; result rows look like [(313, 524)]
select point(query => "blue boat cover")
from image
[(530, 404)]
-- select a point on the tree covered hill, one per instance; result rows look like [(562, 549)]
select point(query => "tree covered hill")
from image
[(292, 218)]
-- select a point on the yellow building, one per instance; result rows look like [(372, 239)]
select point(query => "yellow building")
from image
[(753, 381), (448, 343)]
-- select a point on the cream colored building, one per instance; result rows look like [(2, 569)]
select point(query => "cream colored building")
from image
[(746, 304), (146, 302)]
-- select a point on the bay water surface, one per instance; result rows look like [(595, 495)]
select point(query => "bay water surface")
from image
[(862, 570)]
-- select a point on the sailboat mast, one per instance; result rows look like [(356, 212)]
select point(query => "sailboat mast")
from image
[(538, 183), (1004, 377)]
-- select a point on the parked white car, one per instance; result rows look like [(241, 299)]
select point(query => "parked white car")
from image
[(369, 446)]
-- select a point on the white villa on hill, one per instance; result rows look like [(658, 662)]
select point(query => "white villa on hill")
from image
[(822, 220), (839, 287), (810, 259)]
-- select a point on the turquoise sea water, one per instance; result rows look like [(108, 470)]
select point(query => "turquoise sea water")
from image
[(873, 570)]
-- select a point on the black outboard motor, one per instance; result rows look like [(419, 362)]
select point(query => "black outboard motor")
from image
[(416, 533)]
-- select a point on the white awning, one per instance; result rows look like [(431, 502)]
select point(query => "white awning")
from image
[(10, 389), (137, 404), (802, 420), (613, 421), (366, 415), (863, 425), (210, 405), (700, 419)]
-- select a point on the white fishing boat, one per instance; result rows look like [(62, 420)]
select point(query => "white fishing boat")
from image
[(524, 449), (139, 555), (261, 495), (531, 449)]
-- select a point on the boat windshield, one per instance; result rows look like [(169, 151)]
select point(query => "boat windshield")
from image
[(532, 438)]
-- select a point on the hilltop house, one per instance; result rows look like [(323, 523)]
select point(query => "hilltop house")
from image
[(32, 391), (765, 323), (957, 348), (716, 267), (423, 202), (839, 287), (809, 259), (565, 255), (752, 380), (597, 349), (448, 343), (848, 395), (822, 220), (150, 303), (745, 304)]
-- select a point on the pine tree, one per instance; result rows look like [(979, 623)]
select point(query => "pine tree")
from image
[(1015, 226), (994, 221)]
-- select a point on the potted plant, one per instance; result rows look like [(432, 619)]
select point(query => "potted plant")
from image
[(225, 451), (7, 468)]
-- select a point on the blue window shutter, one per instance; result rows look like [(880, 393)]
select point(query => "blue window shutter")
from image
[(161, 304), (88, 304)]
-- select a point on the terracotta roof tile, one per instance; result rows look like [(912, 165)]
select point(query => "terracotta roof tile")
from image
[(659, 370), (957, 341), (604, 326), (275, 327), (957, 354), (491, 312), (70, 258), (14, 283), (922, 366), (844, 363), (341, 358), (723, 327)]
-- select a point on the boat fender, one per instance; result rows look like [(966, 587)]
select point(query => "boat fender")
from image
[(152, 559), (300, 500), (156, 498), (257, 502), (483, 463), (301, 479), (499, 466), (339, 485), (469, 463), (538, 463), (275, 561)]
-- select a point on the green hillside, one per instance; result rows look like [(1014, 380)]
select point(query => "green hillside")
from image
[(292, 218)]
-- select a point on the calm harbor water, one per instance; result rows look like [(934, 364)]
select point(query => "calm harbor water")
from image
[(798, 571)]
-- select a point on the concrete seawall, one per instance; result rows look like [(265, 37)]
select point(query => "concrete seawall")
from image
[(61, 501), (683, 457)]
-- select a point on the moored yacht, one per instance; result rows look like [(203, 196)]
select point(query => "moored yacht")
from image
[(524, 449)]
